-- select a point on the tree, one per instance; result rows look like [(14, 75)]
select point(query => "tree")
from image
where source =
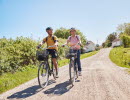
[(103, 44), (112, 36), (109, 39), (65, 33), (124, 28)]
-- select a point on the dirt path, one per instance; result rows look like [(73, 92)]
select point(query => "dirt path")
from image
[(101, 80)]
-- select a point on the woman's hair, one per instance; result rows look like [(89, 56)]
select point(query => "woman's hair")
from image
[(72, 29)]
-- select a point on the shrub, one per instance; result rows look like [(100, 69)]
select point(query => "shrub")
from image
[(125, 40), (120, 56), (65, 33), (17, 53)]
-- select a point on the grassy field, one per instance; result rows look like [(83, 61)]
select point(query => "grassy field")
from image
[(9, 80), (120, 56)]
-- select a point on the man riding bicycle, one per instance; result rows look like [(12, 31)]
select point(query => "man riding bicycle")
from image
[(51, 40), (74, 40)]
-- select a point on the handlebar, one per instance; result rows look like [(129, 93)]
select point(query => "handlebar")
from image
[(47, 47), (71, 47)]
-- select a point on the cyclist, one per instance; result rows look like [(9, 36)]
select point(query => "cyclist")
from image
[(51, 40), (73, 40)]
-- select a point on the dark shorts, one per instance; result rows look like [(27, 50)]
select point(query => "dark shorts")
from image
[(53, 53)]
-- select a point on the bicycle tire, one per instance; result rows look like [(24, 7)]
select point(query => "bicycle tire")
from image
[(41, 75), (72, 72), (76, 71)]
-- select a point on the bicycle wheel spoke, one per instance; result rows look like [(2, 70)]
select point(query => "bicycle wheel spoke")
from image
[(43, 75), (72, 72)]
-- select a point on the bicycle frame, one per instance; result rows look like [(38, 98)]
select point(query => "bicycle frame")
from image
[(50, 67)]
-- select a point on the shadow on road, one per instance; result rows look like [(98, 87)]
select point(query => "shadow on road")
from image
[(59, 89), (28, 92)]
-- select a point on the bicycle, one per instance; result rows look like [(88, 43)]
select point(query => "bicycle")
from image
[(45, 69), (73, 67)]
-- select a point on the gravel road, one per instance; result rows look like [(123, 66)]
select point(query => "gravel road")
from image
[(100, 80)]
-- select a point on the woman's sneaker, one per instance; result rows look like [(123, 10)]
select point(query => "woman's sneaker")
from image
[(79, 73)]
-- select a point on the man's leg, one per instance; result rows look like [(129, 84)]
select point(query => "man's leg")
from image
[(54, 60), (55, 65)]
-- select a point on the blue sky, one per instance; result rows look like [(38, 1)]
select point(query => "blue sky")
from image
[(95, 18)]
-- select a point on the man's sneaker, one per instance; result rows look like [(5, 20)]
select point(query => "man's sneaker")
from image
[(80, 73), (57, 75)]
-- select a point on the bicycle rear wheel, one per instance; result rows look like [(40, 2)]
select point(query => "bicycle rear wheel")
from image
[(72, 72), (43, 75)]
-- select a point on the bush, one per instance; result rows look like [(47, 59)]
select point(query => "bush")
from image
[(109, 39), (125, 40), (17, 53), (120, 56)]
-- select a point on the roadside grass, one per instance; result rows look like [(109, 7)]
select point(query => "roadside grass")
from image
[(120, 56), (88, 54), (9, 80)]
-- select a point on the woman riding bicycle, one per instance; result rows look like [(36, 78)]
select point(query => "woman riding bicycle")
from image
[(73, 40)]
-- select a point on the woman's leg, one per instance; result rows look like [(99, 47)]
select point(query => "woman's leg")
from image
[(77, 60)]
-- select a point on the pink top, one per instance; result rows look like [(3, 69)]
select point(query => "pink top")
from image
[(74, 40)]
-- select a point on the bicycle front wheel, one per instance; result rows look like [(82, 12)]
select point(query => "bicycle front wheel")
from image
[(72, 72), (43, 75), (76, 71)]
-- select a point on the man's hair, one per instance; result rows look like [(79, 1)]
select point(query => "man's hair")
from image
[(49, 28)]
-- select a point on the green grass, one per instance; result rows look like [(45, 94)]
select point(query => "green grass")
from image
[(66, 61), (120, 56), (9, 80), (88, 54)]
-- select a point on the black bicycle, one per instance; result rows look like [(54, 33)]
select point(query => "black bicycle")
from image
[(73, 67), (46, 68)]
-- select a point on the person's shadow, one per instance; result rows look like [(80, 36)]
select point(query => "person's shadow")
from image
[(59, 89), (28, 92)]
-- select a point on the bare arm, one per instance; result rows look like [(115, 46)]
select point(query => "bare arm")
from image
[(40, 44), (56, 43), (67, 42)]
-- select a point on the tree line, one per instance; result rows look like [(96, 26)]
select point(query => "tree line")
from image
[(123, 32), (65, 33)]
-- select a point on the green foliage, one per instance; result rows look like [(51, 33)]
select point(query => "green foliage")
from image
[(88, 54), (62, 33), (108, 43), (61, 49), (124, 28), (65, 33), (109, 39), (120, 56), (103, 44), (112, 37), (17, 53), (125, 40)]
